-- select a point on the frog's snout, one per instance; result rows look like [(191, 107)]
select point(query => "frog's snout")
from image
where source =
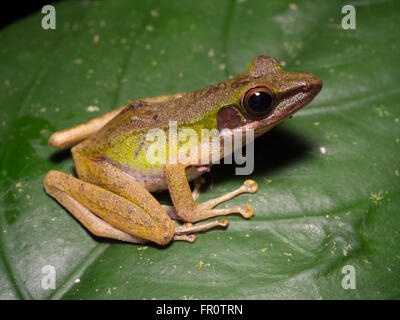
[(304, 87), (311, 85), (314, 84)]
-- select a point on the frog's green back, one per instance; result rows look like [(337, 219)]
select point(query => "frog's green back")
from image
[(123, 139)]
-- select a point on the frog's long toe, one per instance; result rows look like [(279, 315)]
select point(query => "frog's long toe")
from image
[(246, 211), (249, 186), (190, 228)]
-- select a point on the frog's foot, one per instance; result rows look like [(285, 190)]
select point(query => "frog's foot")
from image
[(184, 232), (186, 208), (249, 186)]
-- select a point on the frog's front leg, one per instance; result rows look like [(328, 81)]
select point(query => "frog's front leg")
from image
[(185, 207), (198, 182)]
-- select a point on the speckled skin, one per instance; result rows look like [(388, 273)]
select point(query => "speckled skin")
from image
[(111, 197), (122, 141)]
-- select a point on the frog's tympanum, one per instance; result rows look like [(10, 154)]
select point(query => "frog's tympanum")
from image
[(112, 195)]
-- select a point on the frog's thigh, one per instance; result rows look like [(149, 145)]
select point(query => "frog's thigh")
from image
[(67, 137), (101, 172), (105, 213)]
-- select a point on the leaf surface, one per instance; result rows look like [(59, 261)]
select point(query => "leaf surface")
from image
[(328, 178)]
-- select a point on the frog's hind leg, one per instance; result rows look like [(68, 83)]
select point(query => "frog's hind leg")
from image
[(107, 214), (185, 207), (102, 173), (67, 137), (89, 220)]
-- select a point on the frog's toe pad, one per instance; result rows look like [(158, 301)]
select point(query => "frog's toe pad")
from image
[(246, 211), (250, 186)]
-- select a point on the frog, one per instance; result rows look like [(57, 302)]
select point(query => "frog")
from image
[(113, 192)]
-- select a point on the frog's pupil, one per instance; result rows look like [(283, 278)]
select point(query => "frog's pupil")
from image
[(260, 102)]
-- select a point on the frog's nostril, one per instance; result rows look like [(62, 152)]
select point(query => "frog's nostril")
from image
[(313, 85)]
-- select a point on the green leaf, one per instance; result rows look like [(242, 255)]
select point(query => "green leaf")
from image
[(328, 178)]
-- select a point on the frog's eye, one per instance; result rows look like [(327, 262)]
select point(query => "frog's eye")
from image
[(258, 101)]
